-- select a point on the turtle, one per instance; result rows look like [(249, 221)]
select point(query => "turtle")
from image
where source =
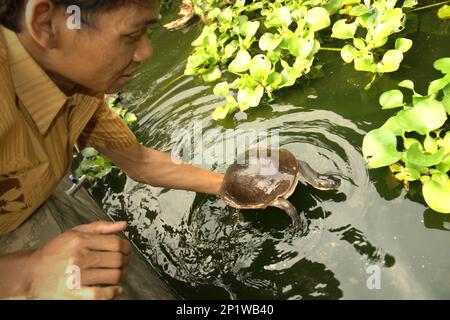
[(267, 177)]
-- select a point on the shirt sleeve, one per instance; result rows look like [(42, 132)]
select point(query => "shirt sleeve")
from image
[(107, 130)]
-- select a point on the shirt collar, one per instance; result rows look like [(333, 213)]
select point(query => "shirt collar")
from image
[(38, 93)]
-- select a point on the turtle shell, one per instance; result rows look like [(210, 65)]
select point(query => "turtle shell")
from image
[(260, 177)]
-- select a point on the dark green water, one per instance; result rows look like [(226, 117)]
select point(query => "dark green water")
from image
[(205, 249)]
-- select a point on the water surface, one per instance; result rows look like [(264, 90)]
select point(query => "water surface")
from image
[(205, 249)]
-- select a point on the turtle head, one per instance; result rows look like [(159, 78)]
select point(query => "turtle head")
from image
[(326, 182)]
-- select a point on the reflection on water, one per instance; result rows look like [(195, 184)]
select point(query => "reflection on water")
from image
[(205, 249)]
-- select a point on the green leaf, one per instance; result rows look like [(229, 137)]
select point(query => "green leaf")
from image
[(442, 65), (343, 30), (299, 47), (438, 84), (210, 43), (411, 174), (348, 53), (359, 43), (403, 44), (207, 30), (280, 17), (222, 89), (408, 84), (391, 99), (437, 195), (260, 68), (194, 61), (444, 12), (288, 76), (269, 41), (103, 173), (392, 125), (232, 102), (250, 97), (350, 2), (87, 164), (241, 62), (231, 48), (248, 29), (365, 63), (130, 118), (317, 18), (380, 148), (221, 112), (212, 75), (444, 166), (214, 13), (427, 115), (89, 152), (409, 142), (409, 3), (239, 3), (424, 159), (358, 10), (390, 62), (78, 172), (274, 80), (446, 102), (446, 142), (430, 144), (274, 56), (333, 6), (99, 162), (226, 16), (111, 101), (406, 174)]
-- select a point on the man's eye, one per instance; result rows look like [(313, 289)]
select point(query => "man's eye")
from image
[(135, 37)]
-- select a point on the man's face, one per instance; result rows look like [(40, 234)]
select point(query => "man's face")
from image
[(104, 58)]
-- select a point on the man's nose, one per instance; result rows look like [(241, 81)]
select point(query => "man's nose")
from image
[(144, 49)]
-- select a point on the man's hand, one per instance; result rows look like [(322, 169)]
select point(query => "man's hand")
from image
[(94, 250)]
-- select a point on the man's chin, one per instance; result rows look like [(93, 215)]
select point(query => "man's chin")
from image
[(119, 84)]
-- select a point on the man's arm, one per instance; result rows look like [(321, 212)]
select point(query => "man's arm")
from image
[(156, 168)]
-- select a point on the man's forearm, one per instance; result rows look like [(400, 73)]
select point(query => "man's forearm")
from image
[(15, 269), (158, 169)]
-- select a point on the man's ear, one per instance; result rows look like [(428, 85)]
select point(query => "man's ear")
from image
[(40, 22)]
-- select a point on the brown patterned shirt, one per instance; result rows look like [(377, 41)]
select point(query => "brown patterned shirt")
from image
[(39, 126)]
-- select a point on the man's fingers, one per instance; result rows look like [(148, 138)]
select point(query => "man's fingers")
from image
[(98, 259), (87, 293), (108, 243), (92, 277), (102, 227)]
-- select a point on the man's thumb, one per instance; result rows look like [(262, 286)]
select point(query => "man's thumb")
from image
[(102, 227)]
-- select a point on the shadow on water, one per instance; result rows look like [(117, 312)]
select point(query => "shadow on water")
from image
[(205, 249)]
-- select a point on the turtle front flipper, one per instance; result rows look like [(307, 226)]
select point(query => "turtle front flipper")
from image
[(317, 180), (291, 211)]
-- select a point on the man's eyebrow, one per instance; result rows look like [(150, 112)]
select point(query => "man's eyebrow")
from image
[(147, 22)]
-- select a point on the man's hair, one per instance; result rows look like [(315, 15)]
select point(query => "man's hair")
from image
[(11, 10)]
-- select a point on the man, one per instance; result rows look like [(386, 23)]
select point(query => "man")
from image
[(52, 80)]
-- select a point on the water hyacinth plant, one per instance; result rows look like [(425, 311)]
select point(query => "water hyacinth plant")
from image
[(268, 45), (422, 127), (93, 163)]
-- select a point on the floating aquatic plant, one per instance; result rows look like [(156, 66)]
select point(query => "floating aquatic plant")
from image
[(424, 151), (93, 163), (269, 45)]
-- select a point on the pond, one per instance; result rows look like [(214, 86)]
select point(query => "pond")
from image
[(369, 226)]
